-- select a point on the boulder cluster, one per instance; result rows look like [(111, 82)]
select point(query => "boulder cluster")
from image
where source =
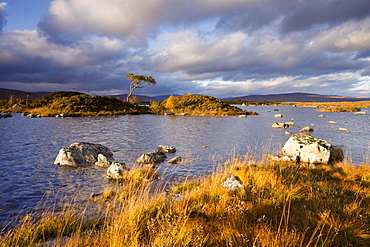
[(82, 154)]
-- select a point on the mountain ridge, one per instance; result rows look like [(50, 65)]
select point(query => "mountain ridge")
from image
[(296, 97), (6, 94)]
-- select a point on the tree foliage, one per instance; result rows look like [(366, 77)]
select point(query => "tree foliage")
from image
[(138, 81)]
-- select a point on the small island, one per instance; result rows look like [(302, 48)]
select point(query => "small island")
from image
[(76, 104)]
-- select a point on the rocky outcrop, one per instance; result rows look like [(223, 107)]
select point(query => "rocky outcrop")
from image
[(308, 149), (152, 158), (116, 170), (166, 149), (81, 154)]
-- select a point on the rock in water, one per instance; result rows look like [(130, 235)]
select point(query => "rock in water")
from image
[(80, 154), (306, 129), (175, 160), (167, 149), (152, 158), (116, 170), (103, 161), (306, 148), (280, 125)]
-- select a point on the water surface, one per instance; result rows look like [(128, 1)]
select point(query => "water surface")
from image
[(28, 146)]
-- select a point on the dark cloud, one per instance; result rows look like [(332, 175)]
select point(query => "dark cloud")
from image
[(197, 46), (308, 14), (364, 54)]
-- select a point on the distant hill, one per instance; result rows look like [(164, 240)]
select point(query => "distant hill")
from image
[(5, 94), (297, 97)]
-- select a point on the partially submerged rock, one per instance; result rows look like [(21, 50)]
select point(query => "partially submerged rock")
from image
[(280, 125), (306, 148), (81, 154), (175, 160), (152, 158), (116, 170), (306, 129), (166, 149), (5, 115), (104, 161)]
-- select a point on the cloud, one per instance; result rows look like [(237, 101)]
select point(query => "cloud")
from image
[(2, 15), (308, 14), (196, 46), (68, 20)]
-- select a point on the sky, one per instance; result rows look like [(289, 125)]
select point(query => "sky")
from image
[(214, 47)]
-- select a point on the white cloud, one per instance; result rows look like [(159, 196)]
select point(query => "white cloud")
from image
[(2, 15), (347, 37)]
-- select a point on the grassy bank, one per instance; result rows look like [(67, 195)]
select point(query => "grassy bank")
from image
[(279, 204), (354, 104)]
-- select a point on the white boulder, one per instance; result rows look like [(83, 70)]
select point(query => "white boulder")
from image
[(233, 183), (80, 154), (308, 149), (116, 170)]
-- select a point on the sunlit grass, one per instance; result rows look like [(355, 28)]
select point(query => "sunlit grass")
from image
[(352, 104), (279, 204)]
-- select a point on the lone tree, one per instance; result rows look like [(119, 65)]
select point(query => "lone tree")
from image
[(136, 80)]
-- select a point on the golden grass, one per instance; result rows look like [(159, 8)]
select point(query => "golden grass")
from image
[(280, 204), (352, 104)]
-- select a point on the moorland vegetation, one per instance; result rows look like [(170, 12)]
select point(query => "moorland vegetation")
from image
[(279, 204), (196, 105)]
